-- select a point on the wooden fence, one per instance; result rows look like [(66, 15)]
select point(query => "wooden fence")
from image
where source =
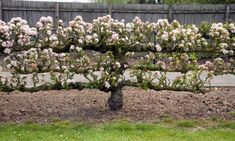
[(186, 14)]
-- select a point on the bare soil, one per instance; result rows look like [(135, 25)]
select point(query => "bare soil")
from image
[(91, 105)]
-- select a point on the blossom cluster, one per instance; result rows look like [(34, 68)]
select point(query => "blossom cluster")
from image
[(178, 37), (177, 62), (219, 66), (222, 37), (44, 27), (192, 80), (38, 60), (21, 33), (16, 33), (5, 40), (106, 32)]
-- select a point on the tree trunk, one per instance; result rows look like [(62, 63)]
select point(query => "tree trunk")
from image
[(116, 99)]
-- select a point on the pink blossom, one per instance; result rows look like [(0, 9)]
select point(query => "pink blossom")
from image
[(7, 51)]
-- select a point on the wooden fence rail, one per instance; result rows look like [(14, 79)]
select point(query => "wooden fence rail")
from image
[(186, 14)]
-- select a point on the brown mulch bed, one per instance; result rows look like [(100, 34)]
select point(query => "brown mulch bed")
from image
[(90, 105)]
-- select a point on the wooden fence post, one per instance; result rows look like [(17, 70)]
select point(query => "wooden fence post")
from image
[(227, 14), (170, 12), (57, 13), (110, 9), (0, 10)]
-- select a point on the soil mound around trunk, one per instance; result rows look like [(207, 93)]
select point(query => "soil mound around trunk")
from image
[(91, 105)]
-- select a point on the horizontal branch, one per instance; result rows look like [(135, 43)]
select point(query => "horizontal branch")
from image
[(81, 85), (157, 88), (125, 48)]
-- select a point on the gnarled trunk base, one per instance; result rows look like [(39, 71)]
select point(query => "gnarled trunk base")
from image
[(116, 99)]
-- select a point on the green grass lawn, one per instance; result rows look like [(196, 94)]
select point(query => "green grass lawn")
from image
[(165, 130)]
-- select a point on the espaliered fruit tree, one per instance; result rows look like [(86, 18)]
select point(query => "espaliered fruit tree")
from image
[(108, 54)]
